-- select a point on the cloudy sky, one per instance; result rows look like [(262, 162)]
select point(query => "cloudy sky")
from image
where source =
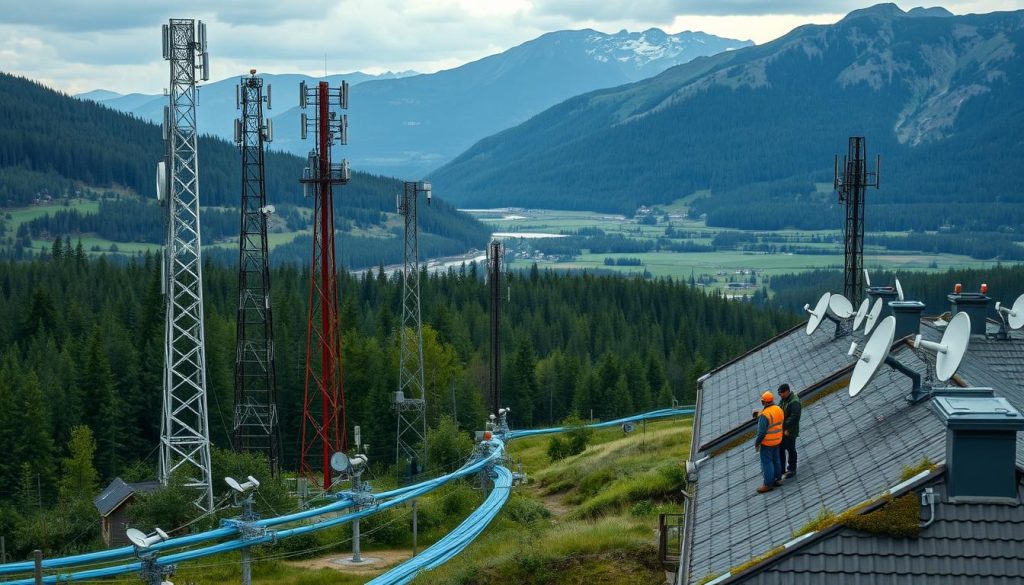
[(77, 46)]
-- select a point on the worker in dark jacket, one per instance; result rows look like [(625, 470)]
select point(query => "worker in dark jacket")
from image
[(767, 441), (791, 408)]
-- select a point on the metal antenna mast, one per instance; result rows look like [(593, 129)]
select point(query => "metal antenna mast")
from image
[(323, 408), (184, 427), (851, 185), (411, 397), (494, 253), (256, 424)]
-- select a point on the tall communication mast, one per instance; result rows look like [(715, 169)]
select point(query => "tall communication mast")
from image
[(323, 408), (256, 423), (411, 398), (851, 185), (494, 253), (184, 426)]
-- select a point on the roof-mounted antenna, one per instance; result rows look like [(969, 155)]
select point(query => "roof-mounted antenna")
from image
[(835, 308), (1012, 317), (876, 351), (899, 290), (862, 313), (873, 315), (950, 351)]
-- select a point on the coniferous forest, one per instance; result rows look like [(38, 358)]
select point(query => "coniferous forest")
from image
[(83, 351)]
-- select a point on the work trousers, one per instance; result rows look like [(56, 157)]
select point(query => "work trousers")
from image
[(787, 454), (771, 466)]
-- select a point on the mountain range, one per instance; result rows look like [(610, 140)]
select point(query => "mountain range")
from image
[(408, 125), (937, 95)]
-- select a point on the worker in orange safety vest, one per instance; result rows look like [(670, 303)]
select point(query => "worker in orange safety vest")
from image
[(767, 442)]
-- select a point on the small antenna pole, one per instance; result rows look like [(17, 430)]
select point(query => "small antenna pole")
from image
[(851, 186)]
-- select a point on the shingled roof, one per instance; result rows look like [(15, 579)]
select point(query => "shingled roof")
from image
[(852, 451)]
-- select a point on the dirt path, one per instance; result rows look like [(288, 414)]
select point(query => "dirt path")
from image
[(375, 562)]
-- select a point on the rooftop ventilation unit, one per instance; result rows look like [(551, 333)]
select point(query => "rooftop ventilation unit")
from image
[(981, 448)]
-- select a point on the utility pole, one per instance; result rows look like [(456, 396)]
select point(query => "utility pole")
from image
[(184, 425), (410, 401), (494, 257), (851, 185), (323, 409), (256, 423)]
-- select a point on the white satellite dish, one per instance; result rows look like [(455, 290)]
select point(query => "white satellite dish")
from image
[(873, 315), (242, 487), (140, 539), (874, 354), (862, 312), (340, 462), (840, 306), (818, 313), (899, 290), (1013, 316), (950, 351), (867, 278)]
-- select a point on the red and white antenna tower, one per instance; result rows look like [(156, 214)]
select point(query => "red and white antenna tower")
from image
[(323, 405)]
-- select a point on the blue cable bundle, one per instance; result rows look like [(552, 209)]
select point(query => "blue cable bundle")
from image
[(455, 541)]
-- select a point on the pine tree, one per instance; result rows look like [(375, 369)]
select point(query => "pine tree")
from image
[(104, 413), (80, 479)]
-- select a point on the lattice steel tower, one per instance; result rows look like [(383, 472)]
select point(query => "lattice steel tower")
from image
[(184, 427), (256, 423), (494, 253), (323, 409), (851, 185), (411, 398)]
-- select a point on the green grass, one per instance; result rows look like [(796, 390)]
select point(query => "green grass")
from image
[(610, 496)]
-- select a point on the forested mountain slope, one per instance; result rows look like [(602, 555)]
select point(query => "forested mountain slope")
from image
[(937, 95)]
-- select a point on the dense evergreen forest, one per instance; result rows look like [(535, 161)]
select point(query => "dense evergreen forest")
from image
[(54, 146), (83, 342)]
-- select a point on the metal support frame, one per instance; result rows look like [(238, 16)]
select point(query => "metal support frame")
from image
[(184, 425), (323, 411), (494, 257), (851, 185), (410, 401), (256, 420)]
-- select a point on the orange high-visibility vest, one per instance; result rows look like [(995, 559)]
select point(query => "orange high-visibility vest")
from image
[(774, 435)]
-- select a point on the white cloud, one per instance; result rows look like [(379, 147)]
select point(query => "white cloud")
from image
[(115, 44)]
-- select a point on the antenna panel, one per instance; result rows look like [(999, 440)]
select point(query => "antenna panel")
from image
[(269, 103), (873, 315), (862, 312), (238, 131), (269, 131), (238, 97), (202, 36), (874, 354), (1015, 315), (206, 67), (302, 124), (343, 95), (953, 346), (343, 134), (817, 314), (302, 96), (161, 181), (167, 122), (167, 41), (840, 306)]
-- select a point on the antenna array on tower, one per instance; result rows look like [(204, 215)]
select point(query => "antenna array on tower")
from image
[(851, 185), (256, 420), (184, 426)]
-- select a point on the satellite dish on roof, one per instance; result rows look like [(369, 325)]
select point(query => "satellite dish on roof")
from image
[(242, 487), (140, 539), (840, 306), (950, 351), (873, 315), (862, 312), (874, 354), (899, 290), (1014, 316), (818, 313)]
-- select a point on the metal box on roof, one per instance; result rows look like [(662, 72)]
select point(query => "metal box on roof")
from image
[(981, 447)]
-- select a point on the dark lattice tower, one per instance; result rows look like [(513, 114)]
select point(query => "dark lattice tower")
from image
[(851, 185), (494, 252), (323, 408), (256, 423), (411, 398)]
